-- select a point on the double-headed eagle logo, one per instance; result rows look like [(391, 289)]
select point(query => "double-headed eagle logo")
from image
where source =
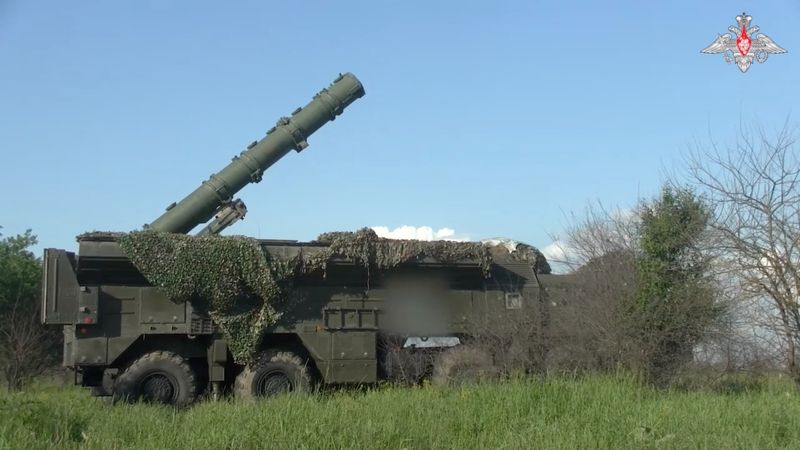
[(738, 46)]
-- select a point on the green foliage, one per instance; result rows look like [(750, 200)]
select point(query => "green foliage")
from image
[(553, 413), (20, 270), (39, 422), (670, 229), (243, 287), (674, 303), (27, 348)]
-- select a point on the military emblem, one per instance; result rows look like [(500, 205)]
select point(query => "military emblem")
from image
[(740, 47)]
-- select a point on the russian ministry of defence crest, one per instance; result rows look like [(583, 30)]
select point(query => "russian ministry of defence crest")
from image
[(743, 44)]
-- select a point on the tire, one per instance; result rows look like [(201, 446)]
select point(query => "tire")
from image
[(273, 373), (463, 364), (158, 377)]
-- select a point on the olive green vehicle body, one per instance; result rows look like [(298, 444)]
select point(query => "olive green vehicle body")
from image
[(112, 315), (339, 322)]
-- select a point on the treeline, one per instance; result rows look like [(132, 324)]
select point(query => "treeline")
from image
[(699, 282), (641, 296), (27, 348)]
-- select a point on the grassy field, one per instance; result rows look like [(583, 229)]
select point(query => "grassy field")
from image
[(550, 414)]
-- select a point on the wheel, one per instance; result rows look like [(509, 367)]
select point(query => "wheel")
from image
[(158, 377), (462, 364), (273, 373)]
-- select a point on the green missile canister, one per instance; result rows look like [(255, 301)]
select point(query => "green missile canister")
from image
[(290, 133)]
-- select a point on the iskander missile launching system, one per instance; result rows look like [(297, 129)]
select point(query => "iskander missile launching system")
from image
[(159, 315)]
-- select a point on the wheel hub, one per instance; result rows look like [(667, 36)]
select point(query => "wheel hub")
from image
[(273, 384), (158, 388)]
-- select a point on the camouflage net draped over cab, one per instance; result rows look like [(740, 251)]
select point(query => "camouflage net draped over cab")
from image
[(242, 286), (231, 278)]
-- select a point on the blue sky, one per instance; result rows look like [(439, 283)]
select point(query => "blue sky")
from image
[(492, 119)]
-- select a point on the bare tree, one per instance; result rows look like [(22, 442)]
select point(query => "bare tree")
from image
[(26, 347), (585, 332), (753, 188), (598, 232)]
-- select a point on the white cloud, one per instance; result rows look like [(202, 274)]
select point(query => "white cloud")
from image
[(558, 254), (420, 233), (555, 251)]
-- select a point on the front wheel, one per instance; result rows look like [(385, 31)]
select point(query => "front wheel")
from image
[(158, 377), (273, 373)]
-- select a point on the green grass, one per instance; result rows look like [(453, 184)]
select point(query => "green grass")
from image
[(600, 412)]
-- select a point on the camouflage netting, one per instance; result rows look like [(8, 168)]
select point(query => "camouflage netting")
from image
[(231, 278), (369, 250), (242, 287)]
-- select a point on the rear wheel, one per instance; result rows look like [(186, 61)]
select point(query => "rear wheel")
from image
[(158, 377), (273, 373)]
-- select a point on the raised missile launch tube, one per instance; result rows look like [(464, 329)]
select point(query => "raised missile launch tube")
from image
[(248, 167)]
